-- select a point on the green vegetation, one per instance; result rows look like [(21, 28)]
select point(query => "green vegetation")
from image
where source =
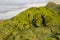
[(54, 6), (42, 23)]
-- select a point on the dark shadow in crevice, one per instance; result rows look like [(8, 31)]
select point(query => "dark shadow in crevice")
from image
[(55, 35), (34, 23), (43, 20)]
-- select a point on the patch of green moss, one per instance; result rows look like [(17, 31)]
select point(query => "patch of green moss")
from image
[(33, 24)]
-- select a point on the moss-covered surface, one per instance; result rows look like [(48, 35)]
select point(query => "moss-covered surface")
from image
[(33, 24)]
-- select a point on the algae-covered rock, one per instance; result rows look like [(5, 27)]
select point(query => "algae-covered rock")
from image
[(32, 24)]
